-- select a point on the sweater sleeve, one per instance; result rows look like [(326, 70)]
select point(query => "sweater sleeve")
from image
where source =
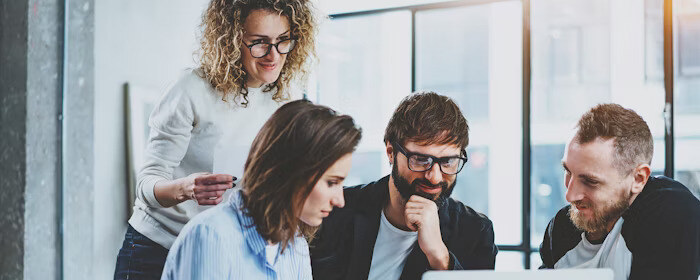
[(171, 124)]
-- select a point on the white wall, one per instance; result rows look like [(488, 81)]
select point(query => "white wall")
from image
[(146, 43)]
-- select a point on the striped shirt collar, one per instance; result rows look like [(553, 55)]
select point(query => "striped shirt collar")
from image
[(250, 232)]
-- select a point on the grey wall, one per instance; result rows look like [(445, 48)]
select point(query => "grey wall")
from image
[(44, 68), (78, 142), (30, 88), (13, 117)]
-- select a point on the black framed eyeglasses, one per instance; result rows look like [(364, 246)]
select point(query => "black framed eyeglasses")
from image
[(420, 162), (259, 50)]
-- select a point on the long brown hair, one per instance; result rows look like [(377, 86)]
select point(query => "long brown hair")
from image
[(221, 58), (288, 156)]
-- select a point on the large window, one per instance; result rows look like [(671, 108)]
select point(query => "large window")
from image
[(473, 54), (365, 70), (582, 53), (687, 93)]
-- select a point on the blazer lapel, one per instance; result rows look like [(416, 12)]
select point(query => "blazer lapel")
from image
[(366, 228)]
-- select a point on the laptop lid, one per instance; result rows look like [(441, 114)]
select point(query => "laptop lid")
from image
[(545, 274)]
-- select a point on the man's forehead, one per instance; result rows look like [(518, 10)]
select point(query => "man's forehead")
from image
[(434, 149), (603, 147), (594, 158)]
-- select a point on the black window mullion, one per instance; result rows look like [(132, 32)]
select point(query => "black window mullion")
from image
[(413, 50), (668, 84), (526, 160)]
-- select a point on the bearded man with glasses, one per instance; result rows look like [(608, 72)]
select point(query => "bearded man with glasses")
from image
[(406, 223)]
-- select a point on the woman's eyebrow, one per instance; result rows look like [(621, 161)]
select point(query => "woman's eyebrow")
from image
[(337, 177), (265, 36)]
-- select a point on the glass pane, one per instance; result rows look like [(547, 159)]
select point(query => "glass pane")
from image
[(687, 97), (654, 40), (582, 55), (510, 261), (535, 260), (365, 78), (473, 54)]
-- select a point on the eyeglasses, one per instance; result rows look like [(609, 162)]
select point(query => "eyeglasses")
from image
[(420, 162), (259, 50)]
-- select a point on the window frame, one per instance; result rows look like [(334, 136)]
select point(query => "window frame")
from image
[(526, 248)]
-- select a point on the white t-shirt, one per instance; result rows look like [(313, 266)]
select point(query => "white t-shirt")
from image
[(612, 253), (391, 249), (193, 130)]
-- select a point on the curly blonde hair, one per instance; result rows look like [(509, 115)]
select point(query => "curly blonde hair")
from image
[(221, 59)]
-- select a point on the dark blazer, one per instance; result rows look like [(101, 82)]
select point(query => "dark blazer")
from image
[(345, 242), (661, 230)]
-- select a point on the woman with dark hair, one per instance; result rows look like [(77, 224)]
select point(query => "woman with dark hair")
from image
[(253, 53), (293, 179)]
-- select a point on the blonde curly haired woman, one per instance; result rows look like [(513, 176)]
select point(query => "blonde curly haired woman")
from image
[(253, 52)]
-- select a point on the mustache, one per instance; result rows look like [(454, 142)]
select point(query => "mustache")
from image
[(425, 182), (580, 203), (418, 182)]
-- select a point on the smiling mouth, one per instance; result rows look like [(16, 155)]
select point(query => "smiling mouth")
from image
[(581, 208), (429, 189), (268, 66)]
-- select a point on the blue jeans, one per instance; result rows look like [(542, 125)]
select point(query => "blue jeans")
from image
[(139, 257)]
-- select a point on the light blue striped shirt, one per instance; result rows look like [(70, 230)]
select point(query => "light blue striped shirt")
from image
[(220, 244)]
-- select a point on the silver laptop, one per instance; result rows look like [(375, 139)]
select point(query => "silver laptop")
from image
[(545, 274)]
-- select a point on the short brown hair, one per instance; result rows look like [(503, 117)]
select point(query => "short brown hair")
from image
[(632, 138), (428, 118), (288, 156)]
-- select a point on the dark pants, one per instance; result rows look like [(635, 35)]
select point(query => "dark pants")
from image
[(139, 257)]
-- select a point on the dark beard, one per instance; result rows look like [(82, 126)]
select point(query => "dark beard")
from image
[(407, 189)]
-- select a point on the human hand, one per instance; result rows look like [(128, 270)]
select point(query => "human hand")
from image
[(206, 188), (421, 215)]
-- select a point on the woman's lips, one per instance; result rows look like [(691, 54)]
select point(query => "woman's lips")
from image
[(268, 66)]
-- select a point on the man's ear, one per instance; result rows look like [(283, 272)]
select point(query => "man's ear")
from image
[(390, 152), (641, 176)]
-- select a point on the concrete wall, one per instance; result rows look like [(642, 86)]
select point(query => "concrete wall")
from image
[(13, 109), (44, 88), (78, 141), (31, 59)]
